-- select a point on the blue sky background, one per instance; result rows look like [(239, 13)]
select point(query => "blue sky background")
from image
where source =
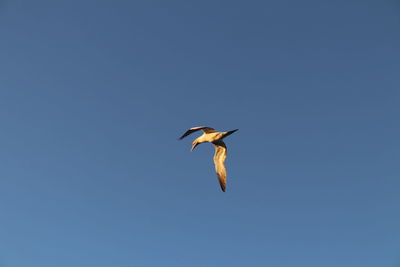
[(94, 94)]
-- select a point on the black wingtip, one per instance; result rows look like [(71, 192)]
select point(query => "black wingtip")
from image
[(183, 136), (223, 187)]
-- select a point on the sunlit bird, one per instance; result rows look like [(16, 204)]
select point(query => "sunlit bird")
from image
[(210, 135)]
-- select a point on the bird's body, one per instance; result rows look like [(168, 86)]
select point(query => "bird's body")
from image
[(214, 137)]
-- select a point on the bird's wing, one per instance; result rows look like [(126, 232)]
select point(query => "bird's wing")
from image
[(195, 129), (219, 159)]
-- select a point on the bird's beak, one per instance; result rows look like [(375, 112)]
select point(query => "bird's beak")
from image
[(194, 146)]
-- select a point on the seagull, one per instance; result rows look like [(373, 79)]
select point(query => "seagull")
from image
[(210, 135)]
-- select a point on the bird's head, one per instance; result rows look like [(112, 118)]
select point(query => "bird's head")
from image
[(194, 144)]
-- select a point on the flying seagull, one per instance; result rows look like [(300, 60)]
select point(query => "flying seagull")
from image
[(210, 135)]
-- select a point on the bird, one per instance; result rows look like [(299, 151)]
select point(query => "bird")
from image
[(210, 135)]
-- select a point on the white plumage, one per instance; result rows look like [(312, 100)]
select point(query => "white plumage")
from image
[(212, 136)]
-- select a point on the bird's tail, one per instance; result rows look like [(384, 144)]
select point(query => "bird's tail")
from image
[(229, 133)]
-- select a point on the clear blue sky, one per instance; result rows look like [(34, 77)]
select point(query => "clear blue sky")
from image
[(94, 94)]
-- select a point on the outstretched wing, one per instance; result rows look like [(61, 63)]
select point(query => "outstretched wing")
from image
[(195, 129), (219, 159)]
